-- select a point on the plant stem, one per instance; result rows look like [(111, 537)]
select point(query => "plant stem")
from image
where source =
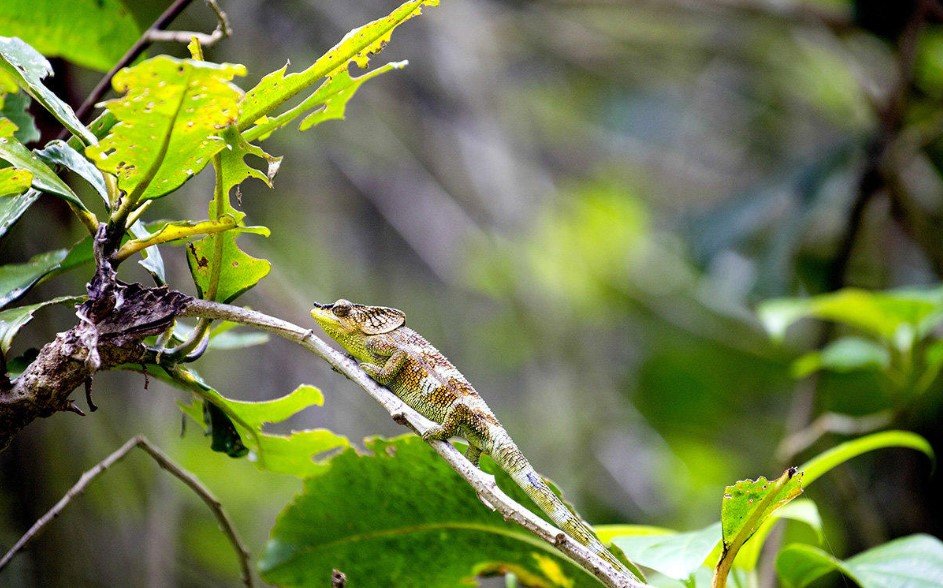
[(174, 233)]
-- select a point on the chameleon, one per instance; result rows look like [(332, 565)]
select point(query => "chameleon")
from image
[(400, 359)]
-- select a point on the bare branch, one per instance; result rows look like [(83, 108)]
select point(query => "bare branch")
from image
[(223, 30), (167, 464), (484, 484)]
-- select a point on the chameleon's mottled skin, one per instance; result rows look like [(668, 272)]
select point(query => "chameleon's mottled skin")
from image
[(402, 360)]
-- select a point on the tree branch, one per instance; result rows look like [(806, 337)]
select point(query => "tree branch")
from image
[(484, 484), (225, 523)]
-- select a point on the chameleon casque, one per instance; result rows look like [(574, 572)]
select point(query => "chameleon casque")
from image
[(400, 359)]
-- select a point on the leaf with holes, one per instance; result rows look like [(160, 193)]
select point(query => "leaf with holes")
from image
[(425, 524), (27, 67), (169, 120), (295, 454), (357, 46), (19, 156)]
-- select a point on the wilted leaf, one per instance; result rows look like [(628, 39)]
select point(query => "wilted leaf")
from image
[(28, 67), (90, 33), (915, 562), (169, 121), (398, 516), (277, 88), (44, 179), (14, 319)]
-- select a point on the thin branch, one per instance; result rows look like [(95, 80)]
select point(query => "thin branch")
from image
[(167, 464), (143, 42), (223, 30), (484, 484)]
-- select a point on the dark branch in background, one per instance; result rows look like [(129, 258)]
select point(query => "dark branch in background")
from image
[(167, 464)]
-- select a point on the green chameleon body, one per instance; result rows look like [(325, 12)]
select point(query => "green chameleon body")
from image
[(402, 360)]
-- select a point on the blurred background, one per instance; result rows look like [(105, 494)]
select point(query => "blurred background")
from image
[(581, 203)]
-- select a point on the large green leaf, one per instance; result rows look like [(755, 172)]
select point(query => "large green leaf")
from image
[(14, 319), (910, 562), (28, 68), (896, 316), (295, 454), (44, 178), (357, 46), (397, 515), (90, 33), (14, 182), (170, 117), (676, 555), (13, 207), (822, 463)]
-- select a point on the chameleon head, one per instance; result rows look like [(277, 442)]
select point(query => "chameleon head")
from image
[(351, 324)]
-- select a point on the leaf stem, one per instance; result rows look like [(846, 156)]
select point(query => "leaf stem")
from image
[(174, 233), (164, 461)]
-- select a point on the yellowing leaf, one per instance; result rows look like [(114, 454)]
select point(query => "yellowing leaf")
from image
[(169, 123)]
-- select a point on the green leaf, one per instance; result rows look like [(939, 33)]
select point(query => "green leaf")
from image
[(915, 562), (802, 510), (746, 506), (60, 153), (822, 463), (896, 316), (295, 454), (239, 272), (14, 319), (843, 355), (676, 555), (13, 207), (28, 68), (329, 102), (14, 182), (277, 88), (397, 515), (15, 107), (17, 278), (44, 178), (169, 119), (90, 33)]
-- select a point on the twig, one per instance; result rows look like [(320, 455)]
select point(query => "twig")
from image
[(133, 53), (223, 30), (830, 422), (483, 484), (167, 464)]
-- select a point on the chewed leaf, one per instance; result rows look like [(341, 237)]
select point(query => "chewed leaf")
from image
[(27, 67), (748, 503), (239, 271), (277, 88), (297, 454), (16, 108), (43, 178), (14, 182), (169, 121), (424, 522), (14, 319)]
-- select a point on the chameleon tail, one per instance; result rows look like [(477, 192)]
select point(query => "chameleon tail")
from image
[(512, 461)]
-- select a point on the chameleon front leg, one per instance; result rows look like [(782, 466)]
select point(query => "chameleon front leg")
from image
[(384, 374)]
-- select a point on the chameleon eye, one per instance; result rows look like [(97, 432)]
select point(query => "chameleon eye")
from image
[(341, 308)]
